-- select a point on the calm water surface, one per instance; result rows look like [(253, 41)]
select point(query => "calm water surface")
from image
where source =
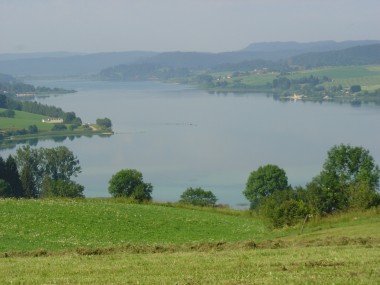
[(181, 137)]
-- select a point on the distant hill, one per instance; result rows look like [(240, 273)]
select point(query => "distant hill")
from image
[(66, 65), (359, 55), (140, 64), (283, 50), (198, 60), (6, 78)]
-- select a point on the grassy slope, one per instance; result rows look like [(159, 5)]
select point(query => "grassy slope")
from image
[(95, 242), (59, 224), (23, 120)]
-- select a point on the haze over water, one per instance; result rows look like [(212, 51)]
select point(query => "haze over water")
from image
[(181, 137)]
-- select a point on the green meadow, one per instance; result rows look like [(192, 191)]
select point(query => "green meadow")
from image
[(368, 76), (23, 120), (110, 241)]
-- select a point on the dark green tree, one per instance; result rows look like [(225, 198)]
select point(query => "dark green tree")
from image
[(12, 176), (28, 183), (2, 168), (5, 189), (130, 183), (104, 123), (32, 129), (355, 88), (59, 127), (198, 197), (263, 182)]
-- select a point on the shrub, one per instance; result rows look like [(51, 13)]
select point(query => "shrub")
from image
[(198, 197), (285, 208)]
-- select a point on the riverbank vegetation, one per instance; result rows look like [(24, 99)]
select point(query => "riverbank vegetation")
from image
[(22, 120)]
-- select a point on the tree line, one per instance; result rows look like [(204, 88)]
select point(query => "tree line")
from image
[(40, 173), (349, 180), (38, 108)]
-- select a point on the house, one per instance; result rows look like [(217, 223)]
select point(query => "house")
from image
[(53, 121)]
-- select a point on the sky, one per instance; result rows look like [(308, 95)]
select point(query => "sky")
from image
[(179, 25)]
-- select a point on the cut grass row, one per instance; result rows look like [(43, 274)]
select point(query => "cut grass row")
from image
[(309, 265)]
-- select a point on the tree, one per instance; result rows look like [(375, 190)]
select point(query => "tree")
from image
[(129, 183), (28, 183), (345, 168), (198, 197), (59, 127), (36, 164), (60, 163), (5, 189), (2, 168), (104, 123), (32, 129), (263, 182), (31, 158), (12, 176), (355, 88)]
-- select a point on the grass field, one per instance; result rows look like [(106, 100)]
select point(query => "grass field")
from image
[(106, 241), (366, 76), (23, 120)]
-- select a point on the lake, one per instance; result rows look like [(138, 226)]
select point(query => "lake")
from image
[(181, 137)]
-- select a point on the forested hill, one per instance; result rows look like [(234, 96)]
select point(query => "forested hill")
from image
[(297, 47), (360, 55), (67, 64)]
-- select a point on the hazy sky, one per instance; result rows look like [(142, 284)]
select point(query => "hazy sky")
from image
[(185, 25)]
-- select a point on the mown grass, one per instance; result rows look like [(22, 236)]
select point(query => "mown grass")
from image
[(309, 265), (109, 241)]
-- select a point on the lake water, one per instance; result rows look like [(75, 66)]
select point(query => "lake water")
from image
[(181, 137)]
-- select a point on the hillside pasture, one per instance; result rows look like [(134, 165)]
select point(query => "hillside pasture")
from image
[(109, 241), (23, 120), (53, 225), (368, 77)]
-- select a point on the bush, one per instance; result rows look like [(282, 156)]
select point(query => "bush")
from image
[(59, 127), (285, 208), (104, 123), (198, 197), (360, 196), (61, 188)]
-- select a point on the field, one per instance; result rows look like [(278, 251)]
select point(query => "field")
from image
[(366, 76), (23, 120), (106, 241)]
